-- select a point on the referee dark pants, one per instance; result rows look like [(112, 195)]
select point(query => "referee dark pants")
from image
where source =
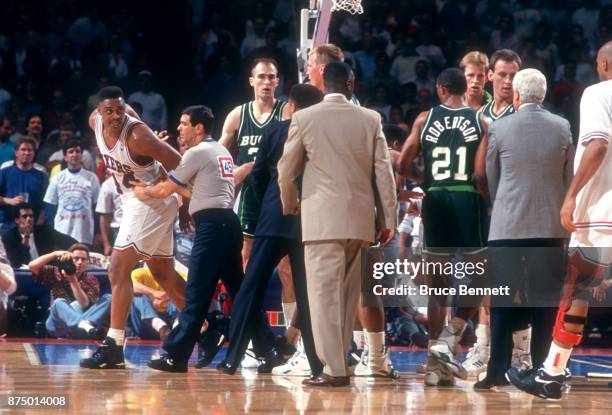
[(215, 255), (265, 255)]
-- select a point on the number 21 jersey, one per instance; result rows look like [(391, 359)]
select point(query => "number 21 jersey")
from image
[(449, 141)]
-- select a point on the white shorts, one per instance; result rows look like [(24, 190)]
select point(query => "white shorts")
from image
[(601, 239), (147, 226)]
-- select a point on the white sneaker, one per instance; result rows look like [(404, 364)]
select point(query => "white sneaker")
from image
[(249, 361), (380, 367), (521, 359), (361, 369), (437, 374), (445, 356), (476, 360), (296, 366)]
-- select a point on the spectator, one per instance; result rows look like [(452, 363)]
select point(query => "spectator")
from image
[(7, 287), (5, 99), (380, 101), (365, 57), (587, 17), (504, 37), (34, 129), (7, 150), (75, 192), (151, 306), (27, 241), (21, 182), (67, 132), (110, 213), (402, 68), (423, 78), (77, 309), (255, 39), (154, 112), (426, 49)]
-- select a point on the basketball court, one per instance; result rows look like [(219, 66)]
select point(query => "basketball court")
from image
[(37, 367)]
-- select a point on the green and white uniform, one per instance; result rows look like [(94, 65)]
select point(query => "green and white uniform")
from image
[(490, 115), (453, 212), (249, 135)]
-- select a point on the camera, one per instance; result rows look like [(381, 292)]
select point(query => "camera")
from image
[(67, 266)]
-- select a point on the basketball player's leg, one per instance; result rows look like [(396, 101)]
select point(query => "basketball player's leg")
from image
[(109, 354), (122, 263), (588, 267), (165, 275), (288, 300)]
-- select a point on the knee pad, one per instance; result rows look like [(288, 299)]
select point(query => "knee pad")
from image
[(563, 335)]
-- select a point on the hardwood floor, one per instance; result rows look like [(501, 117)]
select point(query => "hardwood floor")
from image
[(141, 390)]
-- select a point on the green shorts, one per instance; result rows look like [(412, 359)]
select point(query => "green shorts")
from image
[(453, 220), (248, 210)]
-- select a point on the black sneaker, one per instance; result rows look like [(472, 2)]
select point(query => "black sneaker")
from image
[(107, 356), (96, 333), (488, 383), (537, 382), (209, 345), (167, 364), (278, 355)]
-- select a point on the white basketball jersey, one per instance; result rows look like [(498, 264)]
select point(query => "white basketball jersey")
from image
[(118, 160), (594, 202)]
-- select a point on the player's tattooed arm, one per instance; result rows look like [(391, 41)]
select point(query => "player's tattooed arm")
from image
[(230, 127), (411, 147)]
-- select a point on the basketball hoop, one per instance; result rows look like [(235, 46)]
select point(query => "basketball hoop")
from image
[(351, 6)]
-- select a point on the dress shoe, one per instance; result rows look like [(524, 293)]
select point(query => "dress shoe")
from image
[(488, 383), (326, 380), (226, 368)]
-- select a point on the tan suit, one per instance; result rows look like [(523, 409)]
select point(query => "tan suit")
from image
[(331, 146)]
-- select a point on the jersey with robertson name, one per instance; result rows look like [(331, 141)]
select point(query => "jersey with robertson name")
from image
[(118, 160)]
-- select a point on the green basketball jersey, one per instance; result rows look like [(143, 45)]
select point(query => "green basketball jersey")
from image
[(250, 131), (449, 140), (490, 116)]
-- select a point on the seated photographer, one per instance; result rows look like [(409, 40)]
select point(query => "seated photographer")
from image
[(77, 310), (28, 241)]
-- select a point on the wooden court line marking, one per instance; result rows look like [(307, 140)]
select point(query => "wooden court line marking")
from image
[(32, 355), (591, 363)]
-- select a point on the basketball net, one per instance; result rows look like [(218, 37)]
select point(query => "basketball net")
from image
[(351, 6), (320, 13)]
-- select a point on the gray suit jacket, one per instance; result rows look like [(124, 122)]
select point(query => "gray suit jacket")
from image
[(529, 168)]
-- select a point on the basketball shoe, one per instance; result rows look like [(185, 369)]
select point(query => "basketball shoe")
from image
[(107, 356), (296, 366), (476, 360), (437, 374), (537, 382)]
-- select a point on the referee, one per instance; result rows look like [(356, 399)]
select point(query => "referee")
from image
[(205, 174)]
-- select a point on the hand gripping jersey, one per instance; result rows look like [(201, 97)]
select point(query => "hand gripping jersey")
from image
[(119, 161)]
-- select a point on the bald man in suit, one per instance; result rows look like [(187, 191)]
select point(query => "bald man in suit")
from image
[(340, 152)]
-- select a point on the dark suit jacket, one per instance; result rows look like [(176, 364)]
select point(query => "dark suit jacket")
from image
[(264, 181), (46, 239)]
